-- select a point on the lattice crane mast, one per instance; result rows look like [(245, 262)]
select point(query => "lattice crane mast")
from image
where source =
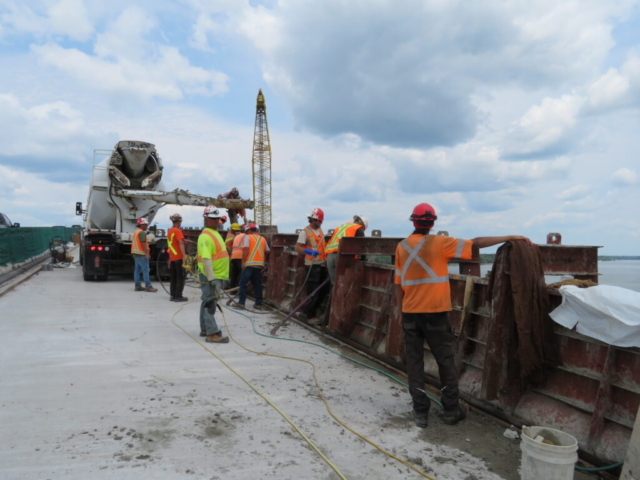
[(261, 164)]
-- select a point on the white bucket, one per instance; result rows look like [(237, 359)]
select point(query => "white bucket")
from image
[(547, 462)]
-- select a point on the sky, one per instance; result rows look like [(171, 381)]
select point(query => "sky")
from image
[(508, 117)]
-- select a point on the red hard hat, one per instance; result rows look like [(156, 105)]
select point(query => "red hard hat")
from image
[(423, 216), (142, 221), (317, 214), (250, 226)]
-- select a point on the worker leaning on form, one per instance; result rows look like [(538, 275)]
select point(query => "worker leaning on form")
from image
[(351, 229), (311, 243), (254, 259), (213, 266), (177, 254), (234, 213), (422, 285), (141, 256), (234, 247)]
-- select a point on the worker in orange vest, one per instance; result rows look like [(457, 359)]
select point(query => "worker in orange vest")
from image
[(422, 287), (312, 245), (351, 229), (254, 258), (177, 253), (234, 247), (141, 256)]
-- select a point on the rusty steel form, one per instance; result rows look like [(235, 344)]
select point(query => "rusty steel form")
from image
[(594, 394)]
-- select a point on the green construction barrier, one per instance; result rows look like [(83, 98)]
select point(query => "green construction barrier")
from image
[(22, 243)]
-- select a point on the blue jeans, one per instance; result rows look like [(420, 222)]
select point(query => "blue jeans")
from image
[(142, 266), (208, 306), (253, 275)]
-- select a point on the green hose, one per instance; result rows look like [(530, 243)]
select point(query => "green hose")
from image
[(253, 325), (599, 469)]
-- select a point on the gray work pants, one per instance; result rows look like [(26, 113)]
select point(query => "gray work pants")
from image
[(208, 306), (332, 263)]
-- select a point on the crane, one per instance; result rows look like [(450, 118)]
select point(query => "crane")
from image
[(261, 164)]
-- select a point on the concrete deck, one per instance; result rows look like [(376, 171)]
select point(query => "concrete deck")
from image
[(97, 382)]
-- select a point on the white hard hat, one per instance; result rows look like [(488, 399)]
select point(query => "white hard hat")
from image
[(212, 212), (363, 220)]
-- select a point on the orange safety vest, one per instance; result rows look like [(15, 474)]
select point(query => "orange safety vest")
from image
[(228, 241), (236, 253), (138, 247), (421, 270), (318, 244), (346, 230), (257, 249)]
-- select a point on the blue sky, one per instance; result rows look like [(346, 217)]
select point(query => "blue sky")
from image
[(509, 118)]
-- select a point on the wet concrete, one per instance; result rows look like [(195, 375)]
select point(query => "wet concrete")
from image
[(97, 382)]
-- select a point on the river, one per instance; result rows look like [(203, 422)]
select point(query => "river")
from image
[(620, 273)]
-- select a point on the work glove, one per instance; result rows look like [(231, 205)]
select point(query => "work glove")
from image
[(188, 260), (214, 287), (314, 253)]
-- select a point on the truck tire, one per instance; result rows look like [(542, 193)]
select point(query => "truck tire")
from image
[(102, 278), (87, 277)]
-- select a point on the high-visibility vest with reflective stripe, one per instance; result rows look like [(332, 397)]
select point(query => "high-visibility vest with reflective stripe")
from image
[(138, 247), (238, 241), (421, 269), (257, 249), (219, 258), (175, 252), (228, 242), (346, 230), (414, 256), (317, 243)]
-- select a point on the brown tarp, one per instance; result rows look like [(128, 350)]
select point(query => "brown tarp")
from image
[(521, 342)]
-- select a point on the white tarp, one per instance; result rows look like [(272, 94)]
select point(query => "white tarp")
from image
[(610, 314)]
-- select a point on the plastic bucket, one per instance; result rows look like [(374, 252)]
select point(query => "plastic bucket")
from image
[(547, 462)]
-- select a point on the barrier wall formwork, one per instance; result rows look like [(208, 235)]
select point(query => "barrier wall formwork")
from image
[(593, 395), (19, 244)]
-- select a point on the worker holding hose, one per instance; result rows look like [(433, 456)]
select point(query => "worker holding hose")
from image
[(213, 265), (177, 253), (422, 287), (312, 245)]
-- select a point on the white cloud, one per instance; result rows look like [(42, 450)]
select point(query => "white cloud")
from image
[(65, 17), (625, 177), (573, 193), (127, 66)]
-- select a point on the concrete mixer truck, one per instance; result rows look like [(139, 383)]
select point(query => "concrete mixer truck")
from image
[(125, 186)]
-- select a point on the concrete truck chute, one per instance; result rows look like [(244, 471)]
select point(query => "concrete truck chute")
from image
[(124, 187)]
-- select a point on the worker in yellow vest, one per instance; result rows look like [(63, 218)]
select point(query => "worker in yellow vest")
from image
[(213, 267), (141, 256), (234, 247), (177, 253), (254, 258), (351, 229), (312, 245)]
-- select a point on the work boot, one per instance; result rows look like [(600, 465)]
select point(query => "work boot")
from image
[(238, 306), (217, 338), (180, 299), (420, 419), (203, 333), (139, 288), (172, 298), (454, 416), (314, 321), (150, 289), (301, 316), (257, 307)]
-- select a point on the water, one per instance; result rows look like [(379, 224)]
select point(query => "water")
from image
[(620, 273)]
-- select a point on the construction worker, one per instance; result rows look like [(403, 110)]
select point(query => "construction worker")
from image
[(351, 229), (177, 254), (311, 243), (422, 286), (141, 256), (234, 212), (213, 265), (234, 247), (254, 257)]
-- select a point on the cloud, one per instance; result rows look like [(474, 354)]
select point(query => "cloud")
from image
[(65, 17), (617, 88), (128, 67), (404, 74), (52, 139), (625, 177), (573, 193)]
